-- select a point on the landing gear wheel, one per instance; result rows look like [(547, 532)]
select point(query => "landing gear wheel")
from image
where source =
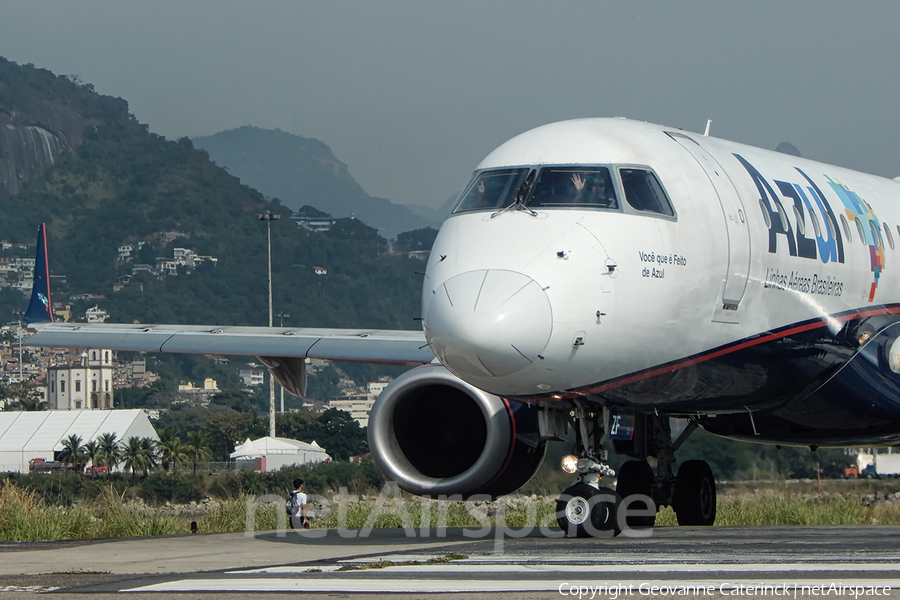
[(694, 500), (584, 510), (636, 478)]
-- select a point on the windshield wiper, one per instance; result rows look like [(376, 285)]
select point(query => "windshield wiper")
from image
[(521, 196)]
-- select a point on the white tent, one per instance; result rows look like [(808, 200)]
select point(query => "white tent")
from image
[(28, 435), (280, 452)]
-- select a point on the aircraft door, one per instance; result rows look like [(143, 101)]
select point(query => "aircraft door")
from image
[(735, 225)]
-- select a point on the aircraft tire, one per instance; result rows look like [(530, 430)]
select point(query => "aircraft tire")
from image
[(694, 500), (636, 478), (585, 511)]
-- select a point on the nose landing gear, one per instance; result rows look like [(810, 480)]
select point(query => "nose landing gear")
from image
[(588, 509)]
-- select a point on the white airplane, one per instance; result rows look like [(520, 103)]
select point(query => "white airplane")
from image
[(606, 275)]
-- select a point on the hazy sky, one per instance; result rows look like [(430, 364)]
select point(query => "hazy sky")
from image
[(413, 94)]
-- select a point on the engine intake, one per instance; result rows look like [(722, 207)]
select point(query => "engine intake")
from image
[(436, 435)]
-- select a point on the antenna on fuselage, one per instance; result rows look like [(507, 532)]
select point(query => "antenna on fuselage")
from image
[(708, 125)]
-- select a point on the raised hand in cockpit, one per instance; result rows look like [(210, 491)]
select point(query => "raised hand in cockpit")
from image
[(578, 182)]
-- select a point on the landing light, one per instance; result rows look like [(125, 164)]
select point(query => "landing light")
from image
[(570, 463)]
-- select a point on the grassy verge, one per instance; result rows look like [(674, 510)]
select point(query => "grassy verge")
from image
[(778, 509), (25, 517)]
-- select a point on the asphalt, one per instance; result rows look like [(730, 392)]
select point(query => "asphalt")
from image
[(462, 563)]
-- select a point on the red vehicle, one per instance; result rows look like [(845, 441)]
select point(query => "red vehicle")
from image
[(42, 465), (98, 469)]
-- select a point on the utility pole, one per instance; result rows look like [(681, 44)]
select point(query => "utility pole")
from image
[(281, 316), (268, 217), (19, 314)]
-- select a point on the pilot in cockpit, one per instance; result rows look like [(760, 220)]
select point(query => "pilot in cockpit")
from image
[(594, 189)]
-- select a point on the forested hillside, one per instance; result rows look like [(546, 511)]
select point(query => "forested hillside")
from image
[(120, 184)]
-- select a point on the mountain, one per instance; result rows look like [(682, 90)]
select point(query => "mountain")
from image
[(83, 164), (302, 171)]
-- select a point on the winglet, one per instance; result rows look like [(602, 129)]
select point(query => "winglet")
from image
[(40, 309)]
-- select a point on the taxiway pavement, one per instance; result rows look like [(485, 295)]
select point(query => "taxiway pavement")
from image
[(708, 562)]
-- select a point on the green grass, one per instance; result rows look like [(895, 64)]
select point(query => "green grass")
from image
[(24, 516), (772, 508)]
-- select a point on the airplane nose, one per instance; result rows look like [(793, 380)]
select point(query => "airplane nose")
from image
[(488, 323)]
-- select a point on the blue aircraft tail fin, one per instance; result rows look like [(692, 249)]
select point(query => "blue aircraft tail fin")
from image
[(40, 309)]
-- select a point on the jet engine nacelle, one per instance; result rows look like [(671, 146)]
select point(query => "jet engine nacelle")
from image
[(436, 435)]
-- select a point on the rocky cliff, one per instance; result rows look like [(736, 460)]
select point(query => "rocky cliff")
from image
[(34, 132)]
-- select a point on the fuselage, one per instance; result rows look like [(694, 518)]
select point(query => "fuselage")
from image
[(713, 278)]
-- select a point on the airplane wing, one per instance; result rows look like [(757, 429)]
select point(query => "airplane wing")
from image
[(397, 347), (394, 347)]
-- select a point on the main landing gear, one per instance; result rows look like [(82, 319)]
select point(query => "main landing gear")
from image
[(587, 508)]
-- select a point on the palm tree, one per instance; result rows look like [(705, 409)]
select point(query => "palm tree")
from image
[(166, 437), (109, 450), (72, 451), (172, 451), (151, 454), (92, 452), (198, 449), (134, 455)]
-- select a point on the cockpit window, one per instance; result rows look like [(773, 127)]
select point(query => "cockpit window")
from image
[(566, 186), (573, 186), (643, 192), (492, 190)]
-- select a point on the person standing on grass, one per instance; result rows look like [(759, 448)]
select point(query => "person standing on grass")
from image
[(298, 512)]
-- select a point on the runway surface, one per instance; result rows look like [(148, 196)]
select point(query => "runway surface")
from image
[(846, 562)]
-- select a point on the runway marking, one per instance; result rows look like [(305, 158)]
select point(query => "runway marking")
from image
[(318, 585), (630, 559), (461, 566)]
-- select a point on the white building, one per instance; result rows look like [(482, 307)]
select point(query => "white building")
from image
[(376, 387), (318, 224), (22, 264), (358, 405), (280, 452), (28, 435), (95, 315), (85, 386), (187, 258), (125, 251), (252, 374)]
